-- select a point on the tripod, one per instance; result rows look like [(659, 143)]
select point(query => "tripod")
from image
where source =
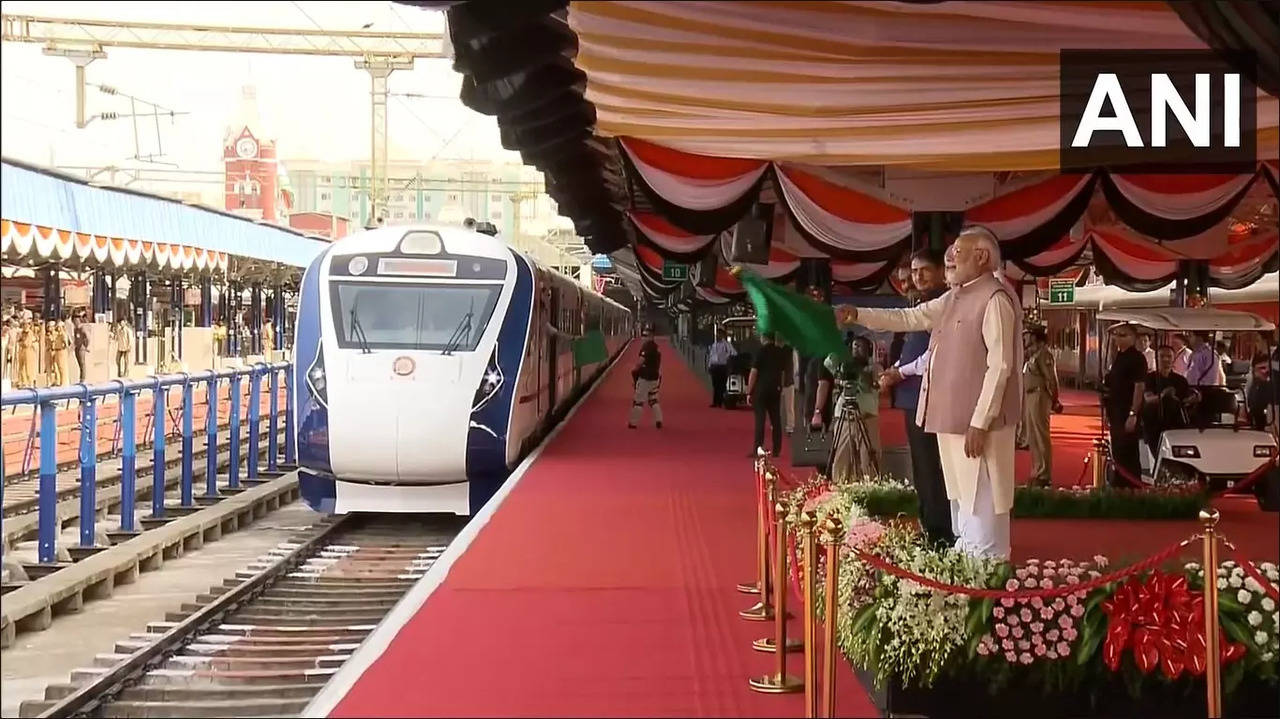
[(850, 441)]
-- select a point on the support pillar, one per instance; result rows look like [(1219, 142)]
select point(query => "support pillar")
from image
[(52, 305), (379, 69), (206, 302)]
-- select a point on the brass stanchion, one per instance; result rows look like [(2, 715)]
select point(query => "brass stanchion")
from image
[(832, 535), (756, 586), (770, 644), (1212, 638), (781, 682), (808, 529), (1099, 461), (762, 611)]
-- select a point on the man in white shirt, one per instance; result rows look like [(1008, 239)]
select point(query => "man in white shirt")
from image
[(976, 355), (718, 356), (1144, 346), (1181, 354)]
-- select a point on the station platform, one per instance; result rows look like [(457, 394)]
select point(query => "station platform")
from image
[(600, 581)]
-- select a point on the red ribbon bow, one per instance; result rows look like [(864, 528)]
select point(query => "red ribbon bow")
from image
[(1164, 624)]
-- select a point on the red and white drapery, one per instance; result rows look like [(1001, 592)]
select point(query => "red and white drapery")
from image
[(45, 244)]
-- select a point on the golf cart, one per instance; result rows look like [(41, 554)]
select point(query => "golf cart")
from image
[(741, 331), (1216, 447)]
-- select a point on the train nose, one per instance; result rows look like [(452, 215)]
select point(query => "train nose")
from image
[(408, 418)]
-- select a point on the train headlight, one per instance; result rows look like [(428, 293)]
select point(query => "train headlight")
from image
[(490, 383), (358, 265), (317, 380)]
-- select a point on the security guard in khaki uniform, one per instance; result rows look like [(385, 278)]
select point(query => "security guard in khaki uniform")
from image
[(1040, 380)]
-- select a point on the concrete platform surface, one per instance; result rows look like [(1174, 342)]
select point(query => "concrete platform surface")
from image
[(40, 658)]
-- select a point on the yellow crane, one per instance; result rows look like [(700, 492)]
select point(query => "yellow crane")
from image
[(378, 53)]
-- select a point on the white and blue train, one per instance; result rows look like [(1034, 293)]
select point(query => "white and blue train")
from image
[(428, 361)]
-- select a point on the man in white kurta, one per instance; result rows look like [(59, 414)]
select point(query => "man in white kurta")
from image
[(976, 434)]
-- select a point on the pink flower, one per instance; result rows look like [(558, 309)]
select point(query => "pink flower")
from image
[(1011, 585), (1066, 562), (1037, 639), (1002, 630), (1037, 627), (1033, 569), (1072, 600), (1017, 632), (1040, 650), (1077, 610), (1069, 634), (1033, 561), (1100, 560), (1064, 621), (1052, 635), (1006, 644), (1046, 583), (863, 534), (1020, 574), (982, 649), (1031, 582), (1046, 613), (1025, 614), (818, 500), (1073, 579), (1050, 564), (1024, 645), (1051, 654), (1010, 657), (1064, 649), (1006, 602), (1012, 620), (1037, 602), (1059, 604), (1024, 658), (998, 612)]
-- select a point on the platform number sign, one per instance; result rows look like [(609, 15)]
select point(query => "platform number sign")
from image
[(1062, 292), (674, 271)]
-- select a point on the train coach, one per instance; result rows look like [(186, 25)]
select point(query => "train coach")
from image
[(428, 361)]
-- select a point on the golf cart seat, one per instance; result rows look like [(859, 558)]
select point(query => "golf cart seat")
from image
[(1217, 406)]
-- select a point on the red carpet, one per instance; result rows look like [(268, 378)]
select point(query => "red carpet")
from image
[(603, 586)]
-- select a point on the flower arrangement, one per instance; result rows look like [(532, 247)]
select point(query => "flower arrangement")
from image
[(1140, 631)]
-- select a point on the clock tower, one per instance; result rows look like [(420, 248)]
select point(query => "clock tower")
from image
[(249, 162)]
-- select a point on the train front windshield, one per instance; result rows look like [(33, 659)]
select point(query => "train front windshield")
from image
[(445, 317)]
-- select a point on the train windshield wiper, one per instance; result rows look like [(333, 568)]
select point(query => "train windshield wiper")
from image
[(357, 332), (461, 332)]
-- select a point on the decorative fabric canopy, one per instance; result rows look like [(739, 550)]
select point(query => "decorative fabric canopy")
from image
[(949, 86), (19, 241)]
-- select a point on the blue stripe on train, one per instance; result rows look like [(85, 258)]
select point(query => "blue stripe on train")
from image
[(313, 417), (486, 454)]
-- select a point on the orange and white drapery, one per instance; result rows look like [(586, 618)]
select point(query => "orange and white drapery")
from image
[(23, 241), (954, 86), (701, 195)]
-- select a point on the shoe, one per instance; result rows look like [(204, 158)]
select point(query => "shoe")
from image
[(659, 425), (631, 426)]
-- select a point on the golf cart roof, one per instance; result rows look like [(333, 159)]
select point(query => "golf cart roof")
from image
[(1188, 319)]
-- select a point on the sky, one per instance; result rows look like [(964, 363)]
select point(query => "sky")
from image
[(316, 107)]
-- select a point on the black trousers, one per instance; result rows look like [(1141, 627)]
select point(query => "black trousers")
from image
[(931, 489), (1124, 448), (719, 377), (768, 403)]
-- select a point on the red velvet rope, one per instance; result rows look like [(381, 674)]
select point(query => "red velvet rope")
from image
[(1243, 484), (1058, 591), (1252, 571)]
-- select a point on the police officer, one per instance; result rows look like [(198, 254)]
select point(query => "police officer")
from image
[(1040, 381)]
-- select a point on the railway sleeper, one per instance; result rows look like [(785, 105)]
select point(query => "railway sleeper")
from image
[(249, 677)]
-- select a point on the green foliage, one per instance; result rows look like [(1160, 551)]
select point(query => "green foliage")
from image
[(1034, 502)]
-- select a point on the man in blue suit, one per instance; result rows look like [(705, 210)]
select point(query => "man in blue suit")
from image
[(905, 376)]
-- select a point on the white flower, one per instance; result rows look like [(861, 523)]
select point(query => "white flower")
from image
[(1252, 585), (1268, 656), (1222, 584), (1255, 619), (1260, 638), (1193, 567), (1235, 583), (1268, 605), (1243, 596), (1229, 563), (1237, 572)]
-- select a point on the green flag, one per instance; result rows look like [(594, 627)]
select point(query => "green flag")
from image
[(804, 323), (589, 349)]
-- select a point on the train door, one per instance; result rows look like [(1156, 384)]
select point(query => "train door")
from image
[(553, 345)]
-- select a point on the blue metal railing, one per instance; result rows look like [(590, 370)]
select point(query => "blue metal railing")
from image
[(46, 399)]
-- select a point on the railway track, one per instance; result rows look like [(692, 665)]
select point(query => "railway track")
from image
[(262, 643)]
